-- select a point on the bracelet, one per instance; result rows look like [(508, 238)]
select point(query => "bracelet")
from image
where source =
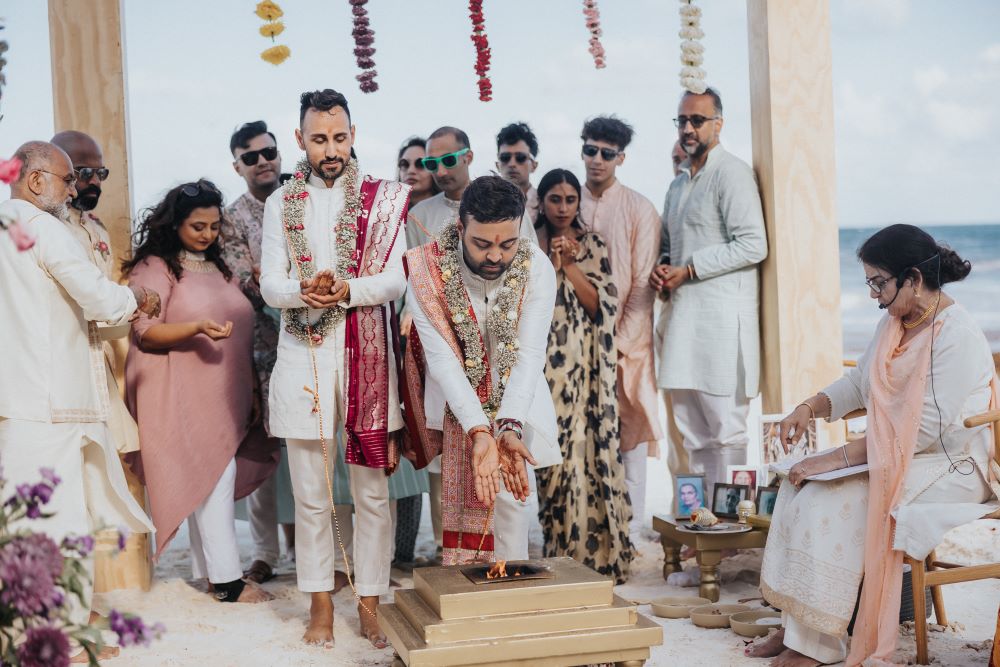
[(481, 428), (690, 269), (846, 460), (812, 413), (512, 425)]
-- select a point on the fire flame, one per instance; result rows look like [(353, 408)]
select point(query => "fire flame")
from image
[(498, 570)]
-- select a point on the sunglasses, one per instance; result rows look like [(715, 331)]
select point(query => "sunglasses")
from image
[(195, 189), (87, 173), (518, 157), (250, 157), (696, 121), (449, 160), (609, 154)]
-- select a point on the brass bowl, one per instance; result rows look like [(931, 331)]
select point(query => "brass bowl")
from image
[(679, 607), (715, 615), (745, 624)]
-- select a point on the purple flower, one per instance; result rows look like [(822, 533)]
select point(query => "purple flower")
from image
[(123, 535), (83, 545), (33, 495), (29, 568), (50, 476), (45, 647), (132, 631)]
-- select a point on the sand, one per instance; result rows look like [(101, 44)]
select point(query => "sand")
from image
[(203, 632)]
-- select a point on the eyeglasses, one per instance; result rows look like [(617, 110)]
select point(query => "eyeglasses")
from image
[(195, 189), (518, 157), (696, 121), (250, 157), (449, 160), (68, 179), (609, 154), (878, 283), (87, 173)]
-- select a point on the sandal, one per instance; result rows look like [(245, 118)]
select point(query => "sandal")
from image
[(260, 572)]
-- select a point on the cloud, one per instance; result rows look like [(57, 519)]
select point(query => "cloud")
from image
[(959, 121), (892, 12), (931, 79), (991, 54), (856, 111)]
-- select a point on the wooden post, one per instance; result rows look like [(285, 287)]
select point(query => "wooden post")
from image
[(791, 99), (88, 94)]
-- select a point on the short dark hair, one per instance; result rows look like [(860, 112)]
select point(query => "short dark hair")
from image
[(247, 131), (410, 143), (903, 250), (460, 136), (491, 199), (516, 132), (711, 92), (610, 129), (322, 100)]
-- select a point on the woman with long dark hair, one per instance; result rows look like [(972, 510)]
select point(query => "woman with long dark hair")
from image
[(926, 370), (583, 502), (191, 387)]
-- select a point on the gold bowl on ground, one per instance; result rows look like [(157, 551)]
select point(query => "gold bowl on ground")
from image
[(715, 615), (679, 607)]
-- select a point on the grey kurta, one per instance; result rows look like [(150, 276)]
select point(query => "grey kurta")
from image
[(714, 222)]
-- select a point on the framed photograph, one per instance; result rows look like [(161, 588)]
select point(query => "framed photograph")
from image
[(743, 476), (766, 495), (689, 494), (726, 497), (771, 442)]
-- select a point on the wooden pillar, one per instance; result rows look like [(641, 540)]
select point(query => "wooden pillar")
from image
[(88, 94), (791, 99)]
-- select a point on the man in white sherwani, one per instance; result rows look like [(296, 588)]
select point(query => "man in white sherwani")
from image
[(713, 239), (53, 391), (331, 260)]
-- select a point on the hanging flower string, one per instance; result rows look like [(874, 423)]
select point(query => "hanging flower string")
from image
[(271, 12), (364, 37), (594, 26), (482, 49), (692, 52)]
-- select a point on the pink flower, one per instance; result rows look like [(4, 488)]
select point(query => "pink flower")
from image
[(10, 170), (22, 238), (303, 194), (299, 175), (305, 258)]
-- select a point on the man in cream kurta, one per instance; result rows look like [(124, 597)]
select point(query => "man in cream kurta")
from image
[(53, 393), (713, 239)]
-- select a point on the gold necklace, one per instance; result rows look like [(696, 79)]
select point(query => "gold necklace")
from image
[(927, 313)]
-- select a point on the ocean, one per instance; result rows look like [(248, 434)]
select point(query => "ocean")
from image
[(979, 292)]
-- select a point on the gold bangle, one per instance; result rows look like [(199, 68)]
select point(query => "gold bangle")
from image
[(481, 428), (846, 460), (690, 269), (812, 413)]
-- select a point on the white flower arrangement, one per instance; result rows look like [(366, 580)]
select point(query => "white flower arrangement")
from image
[(692, 76)]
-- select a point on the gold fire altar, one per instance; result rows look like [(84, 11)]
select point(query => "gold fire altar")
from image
[(552, 612)]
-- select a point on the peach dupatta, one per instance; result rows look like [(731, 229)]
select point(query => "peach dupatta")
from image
[(895, 405)]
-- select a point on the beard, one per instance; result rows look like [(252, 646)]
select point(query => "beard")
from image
[(329, 170), (56, 209), (484, 269), (697, 150), (86, 200)]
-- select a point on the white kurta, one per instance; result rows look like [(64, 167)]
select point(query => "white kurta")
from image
[(290, 406)]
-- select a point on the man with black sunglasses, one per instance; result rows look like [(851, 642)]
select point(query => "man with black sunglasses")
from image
[(256, 159), (713, 240), (517, 152), (630, 226)]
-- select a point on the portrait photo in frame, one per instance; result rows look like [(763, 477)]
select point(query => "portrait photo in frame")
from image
[(726, 498), (745, 475), (766, 495), (689, 494)]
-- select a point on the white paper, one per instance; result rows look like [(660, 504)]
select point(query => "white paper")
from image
[(781, 468)]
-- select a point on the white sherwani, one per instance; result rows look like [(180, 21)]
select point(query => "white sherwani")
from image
[(291, 415), (527, 397), (53, 391)]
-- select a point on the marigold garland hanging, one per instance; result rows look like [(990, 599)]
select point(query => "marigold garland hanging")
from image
[(594, 26), (692, 52), (482, 49), (364, 38), (271, 12)]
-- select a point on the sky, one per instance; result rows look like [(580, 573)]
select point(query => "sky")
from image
[(916, 89)]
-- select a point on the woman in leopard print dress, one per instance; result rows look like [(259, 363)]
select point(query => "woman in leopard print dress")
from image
[(584, 506)]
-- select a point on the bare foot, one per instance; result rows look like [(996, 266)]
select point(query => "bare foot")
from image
[(105, 653), (339, 581), (319, 632), (367, 613), (769, 648), (252, 594), (790, 658)]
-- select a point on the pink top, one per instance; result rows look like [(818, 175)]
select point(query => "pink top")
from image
[(630, 226), (193, 402)]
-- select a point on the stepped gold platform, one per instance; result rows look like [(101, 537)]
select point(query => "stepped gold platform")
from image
[(571, 618)]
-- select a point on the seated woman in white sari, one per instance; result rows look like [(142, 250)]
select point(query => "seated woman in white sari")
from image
[(926, 370)]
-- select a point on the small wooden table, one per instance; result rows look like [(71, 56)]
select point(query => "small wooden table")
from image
[(709, 547)]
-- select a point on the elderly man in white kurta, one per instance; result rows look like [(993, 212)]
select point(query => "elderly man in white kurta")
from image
[(53, 394), (479, 283), (713, 239), (332, 261)]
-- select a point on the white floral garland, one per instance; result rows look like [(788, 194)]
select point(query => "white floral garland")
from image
[(692, 52), (345, 231), (503, 323)]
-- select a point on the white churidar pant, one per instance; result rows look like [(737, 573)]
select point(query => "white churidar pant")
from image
[(212, 527), (714, 429)]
